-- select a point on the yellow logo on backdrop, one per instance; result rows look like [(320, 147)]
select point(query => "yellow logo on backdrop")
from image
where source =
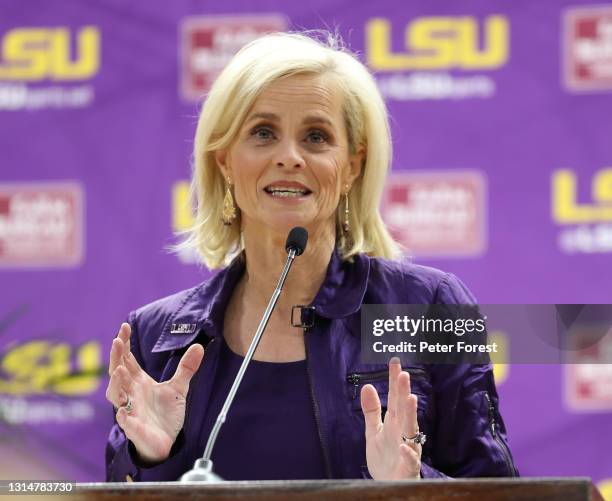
[(565, 207), (500, 359), (434, 43), (605, 488), (38, 367), (182, 215), (34, 54)]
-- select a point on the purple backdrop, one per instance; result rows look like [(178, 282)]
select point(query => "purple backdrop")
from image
[(502, 174)]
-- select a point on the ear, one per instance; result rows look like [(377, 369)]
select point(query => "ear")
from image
[(222, 157), (356, 161)]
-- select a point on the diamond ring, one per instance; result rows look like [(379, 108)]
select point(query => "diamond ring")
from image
[(419, 438)]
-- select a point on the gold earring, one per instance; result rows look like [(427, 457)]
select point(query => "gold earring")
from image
[(346, 225), (229, 210)]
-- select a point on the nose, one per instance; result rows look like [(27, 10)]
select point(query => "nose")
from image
[(288, 155)]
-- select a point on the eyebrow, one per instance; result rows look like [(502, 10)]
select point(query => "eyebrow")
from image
[(273, 117)]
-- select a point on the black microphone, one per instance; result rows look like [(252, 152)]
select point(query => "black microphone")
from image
[(297, 240), (203, 468)]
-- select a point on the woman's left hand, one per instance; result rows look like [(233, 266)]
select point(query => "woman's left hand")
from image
[(388, 456)]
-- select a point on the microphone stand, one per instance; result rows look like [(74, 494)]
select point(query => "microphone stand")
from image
[(202, 470)]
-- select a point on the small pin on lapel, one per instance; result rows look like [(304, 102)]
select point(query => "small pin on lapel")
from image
[(183, 329)]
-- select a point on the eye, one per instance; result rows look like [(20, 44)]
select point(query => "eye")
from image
[(262, 132), (317, 137)]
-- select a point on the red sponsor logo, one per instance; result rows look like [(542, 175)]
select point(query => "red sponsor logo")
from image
[(437, 213), (588, 386), (588, 376), (41, 225), (588, 48), (208, 43)]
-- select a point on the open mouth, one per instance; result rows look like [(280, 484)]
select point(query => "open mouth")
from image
[(287, 191)]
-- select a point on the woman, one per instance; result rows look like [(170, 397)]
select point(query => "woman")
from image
[(294, 133)]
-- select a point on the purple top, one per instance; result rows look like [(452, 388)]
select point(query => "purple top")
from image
[(271, 396)]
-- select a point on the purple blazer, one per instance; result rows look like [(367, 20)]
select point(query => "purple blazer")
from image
[(457, 404)]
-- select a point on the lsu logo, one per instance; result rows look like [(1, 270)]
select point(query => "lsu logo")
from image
[(565, 207), (35, 54), (40, 367), (434, 43), (183, 328)]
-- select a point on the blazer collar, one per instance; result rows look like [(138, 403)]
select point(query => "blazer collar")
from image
[(340, 295)]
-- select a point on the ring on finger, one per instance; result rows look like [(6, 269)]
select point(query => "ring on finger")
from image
[(420, 438), (128, 405)]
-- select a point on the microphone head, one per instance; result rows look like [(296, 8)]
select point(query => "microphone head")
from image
[(297, 239)]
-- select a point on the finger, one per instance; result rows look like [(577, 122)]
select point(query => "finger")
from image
[(125, 331), (409, 383), (395, 368), (408, 408), (187, 367), (413, 422), (131, 425), (413, 427), (412, 461), (370, 405), (119, 387), (129, 360), (116, 355)]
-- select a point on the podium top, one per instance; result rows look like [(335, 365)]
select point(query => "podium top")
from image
[(507, 489)]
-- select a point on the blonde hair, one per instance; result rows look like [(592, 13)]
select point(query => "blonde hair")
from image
[(232, 95)]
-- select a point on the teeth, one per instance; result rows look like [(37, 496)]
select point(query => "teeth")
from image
[(286, 192), (296, 190), (282, 193)]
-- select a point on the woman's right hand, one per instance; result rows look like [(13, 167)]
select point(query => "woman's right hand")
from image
[(157, 409)]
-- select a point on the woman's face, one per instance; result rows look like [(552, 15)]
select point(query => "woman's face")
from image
[(290, 161)]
